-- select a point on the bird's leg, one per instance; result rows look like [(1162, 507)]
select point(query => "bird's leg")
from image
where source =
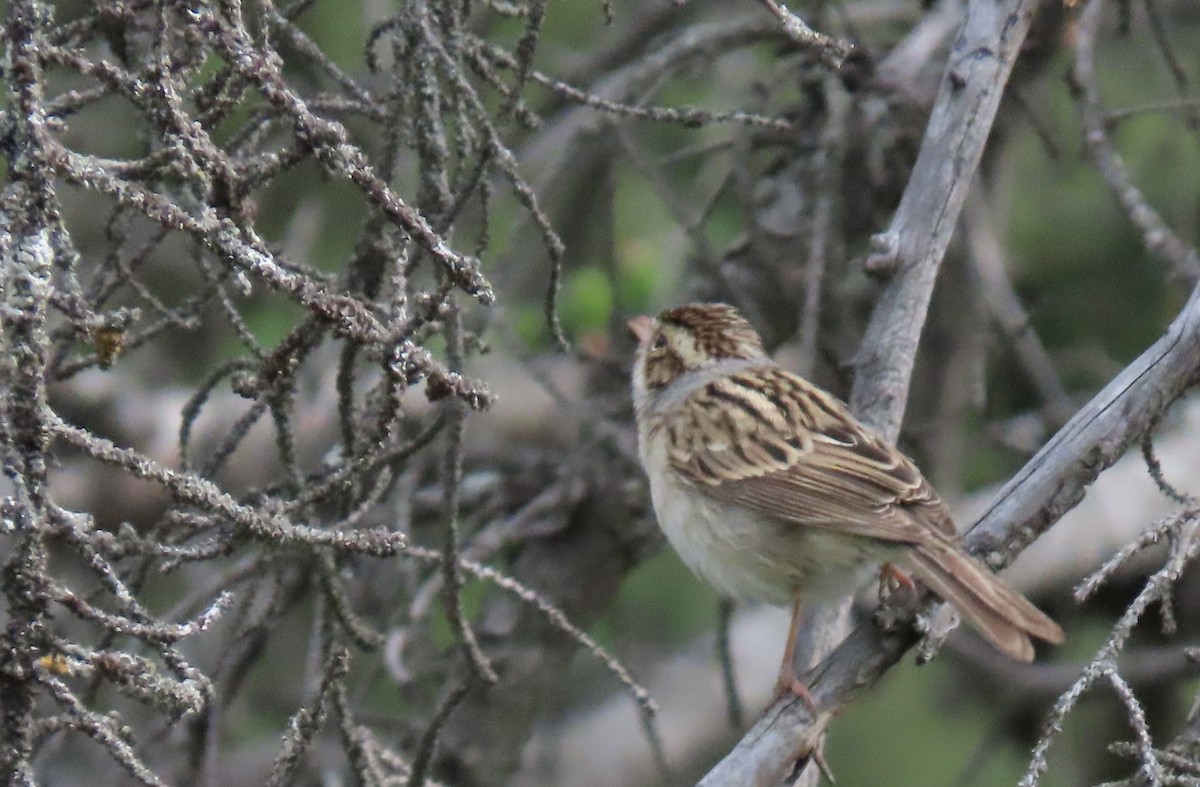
[(788, 683)]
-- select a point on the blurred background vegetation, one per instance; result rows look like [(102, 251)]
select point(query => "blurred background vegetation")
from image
[(1093, 295)]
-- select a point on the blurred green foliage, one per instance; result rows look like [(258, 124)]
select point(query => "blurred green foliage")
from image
[(1080, 267), (906, 732)]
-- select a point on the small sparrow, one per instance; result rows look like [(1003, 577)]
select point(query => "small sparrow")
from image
[(769, 489)]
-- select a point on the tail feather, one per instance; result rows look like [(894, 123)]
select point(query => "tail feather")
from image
[(1004, 617)]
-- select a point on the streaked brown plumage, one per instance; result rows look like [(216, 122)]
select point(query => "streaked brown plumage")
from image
[(769, 488)]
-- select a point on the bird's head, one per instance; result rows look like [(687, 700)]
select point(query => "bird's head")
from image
[(689, 338)]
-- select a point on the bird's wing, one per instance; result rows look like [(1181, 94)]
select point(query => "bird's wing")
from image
[(771, 442)]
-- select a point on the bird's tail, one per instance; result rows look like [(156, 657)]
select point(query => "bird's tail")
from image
[(1004, 617)]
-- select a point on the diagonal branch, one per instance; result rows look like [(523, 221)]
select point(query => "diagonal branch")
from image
[(1156, 234)]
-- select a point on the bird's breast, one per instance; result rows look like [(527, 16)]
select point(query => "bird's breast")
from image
[(743, 555)]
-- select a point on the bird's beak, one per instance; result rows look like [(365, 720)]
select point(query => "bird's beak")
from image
[(642, 327)]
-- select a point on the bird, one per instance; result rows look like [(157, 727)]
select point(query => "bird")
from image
[(770, 489)]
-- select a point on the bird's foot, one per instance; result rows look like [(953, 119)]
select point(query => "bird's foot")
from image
[(897, 592), (891, 579), (791, 686), (818, 756), (788, 685)]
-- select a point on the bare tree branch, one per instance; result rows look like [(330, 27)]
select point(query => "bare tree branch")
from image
[(912, 248)]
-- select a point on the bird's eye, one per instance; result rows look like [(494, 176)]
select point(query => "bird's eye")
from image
[(660, 341)]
